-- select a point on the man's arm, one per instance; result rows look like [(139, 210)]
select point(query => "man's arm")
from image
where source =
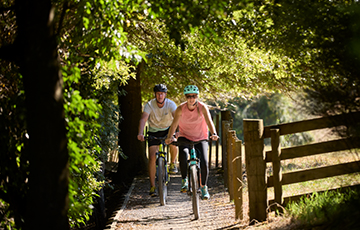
[(142, 122), (177, 127)]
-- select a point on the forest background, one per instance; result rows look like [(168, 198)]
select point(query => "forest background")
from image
[(75, 74)]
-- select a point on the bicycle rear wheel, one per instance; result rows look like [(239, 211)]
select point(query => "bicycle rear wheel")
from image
[(195, 187), (162, 183)]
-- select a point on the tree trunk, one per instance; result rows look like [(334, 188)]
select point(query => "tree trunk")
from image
[(39, 65), (130, 109)]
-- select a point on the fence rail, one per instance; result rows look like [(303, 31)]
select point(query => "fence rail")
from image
[(316, 148), (313, 124), (256, 158), (317, 173)]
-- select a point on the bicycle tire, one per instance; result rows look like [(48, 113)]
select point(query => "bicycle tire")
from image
[(162, 181), (195, 195)]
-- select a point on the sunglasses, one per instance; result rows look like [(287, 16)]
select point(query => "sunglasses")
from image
[(191, 96)]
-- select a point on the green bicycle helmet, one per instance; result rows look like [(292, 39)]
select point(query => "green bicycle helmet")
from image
[(191, 89)]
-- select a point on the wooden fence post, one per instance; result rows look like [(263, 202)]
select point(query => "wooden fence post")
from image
[(276, 157), (223, 152), (255, 168), (225, 128), (237, 178), (230, 156), (225, 117), (217, 142)]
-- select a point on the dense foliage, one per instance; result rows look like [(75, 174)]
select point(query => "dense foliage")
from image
[(91, 111), (14, 166), (322, 37), (233, 50)]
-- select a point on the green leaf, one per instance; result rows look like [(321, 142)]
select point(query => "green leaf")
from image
[(86, 22)]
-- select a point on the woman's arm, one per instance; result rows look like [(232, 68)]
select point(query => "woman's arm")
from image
[(173, 126), (209, 123)]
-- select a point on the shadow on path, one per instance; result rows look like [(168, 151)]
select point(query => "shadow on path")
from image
[(141, 211)]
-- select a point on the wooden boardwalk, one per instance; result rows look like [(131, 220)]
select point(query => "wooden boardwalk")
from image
[(140, 211)]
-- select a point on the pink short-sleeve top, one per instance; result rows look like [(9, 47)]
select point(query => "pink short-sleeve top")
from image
[(192, 124)]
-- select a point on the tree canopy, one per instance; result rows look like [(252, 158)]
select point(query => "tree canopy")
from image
[(321, 38)]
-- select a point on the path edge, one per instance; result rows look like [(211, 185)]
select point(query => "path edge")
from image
[(115, 219)]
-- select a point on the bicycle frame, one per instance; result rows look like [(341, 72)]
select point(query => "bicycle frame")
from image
[(162, 154), (162, 170)]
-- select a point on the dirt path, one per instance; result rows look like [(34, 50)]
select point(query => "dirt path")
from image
[(140, 211)]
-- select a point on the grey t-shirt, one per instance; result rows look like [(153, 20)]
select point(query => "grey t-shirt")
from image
[(159, 118)]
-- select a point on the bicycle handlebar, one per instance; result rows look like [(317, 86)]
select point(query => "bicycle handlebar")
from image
[(182, 141), (177, 142), (161, 139), (155, 138)]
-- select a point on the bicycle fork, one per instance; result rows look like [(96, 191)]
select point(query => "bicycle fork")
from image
[(167, 178), (194, 161)]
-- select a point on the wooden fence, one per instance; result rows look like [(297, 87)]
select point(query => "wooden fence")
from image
[(231, 160), (256, 159)]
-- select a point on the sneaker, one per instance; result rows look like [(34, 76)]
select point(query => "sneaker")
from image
[(152, 191), (204, 193), (184, 185), (173, 168)]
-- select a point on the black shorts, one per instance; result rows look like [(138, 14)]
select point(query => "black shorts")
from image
[(157, 134)]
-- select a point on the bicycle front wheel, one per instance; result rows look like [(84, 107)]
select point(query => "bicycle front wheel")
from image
[(162, 181), (195, 187)]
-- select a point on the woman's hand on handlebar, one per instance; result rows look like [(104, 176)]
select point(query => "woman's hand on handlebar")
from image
[(169, 140), (214, 137), (140, 137)]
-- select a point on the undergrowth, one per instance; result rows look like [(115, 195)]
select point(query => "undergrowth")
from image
[(328, 210)]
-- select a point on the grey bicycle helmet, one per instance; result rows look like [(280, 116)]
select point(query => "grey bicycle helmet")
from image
[(160, 88), (191, 89)]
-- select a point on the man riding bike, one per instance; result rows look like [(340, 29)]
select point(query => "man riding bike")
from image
[(159, 113)]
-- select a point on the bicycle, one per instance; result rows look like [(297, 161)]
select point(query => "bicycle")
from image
[(194, 175), (162, 169)]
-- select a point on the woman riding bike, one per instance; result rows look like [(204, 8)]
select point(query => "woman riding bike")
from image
[(193, 119)]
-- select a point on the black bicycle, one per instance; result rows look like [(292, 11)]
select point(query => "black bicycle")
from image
[(162, 169)]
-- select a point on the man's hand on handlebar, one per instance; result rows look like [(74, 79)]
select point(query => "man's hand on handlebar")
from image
[(177, 134), (140, 137), (169, 140)]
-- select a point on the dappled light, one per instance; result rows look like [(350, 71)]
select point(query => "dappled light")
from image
[(75, 75)]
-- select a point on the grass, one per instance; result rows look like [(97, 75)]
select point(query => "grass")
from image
[(313, 162), (330, 210)]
